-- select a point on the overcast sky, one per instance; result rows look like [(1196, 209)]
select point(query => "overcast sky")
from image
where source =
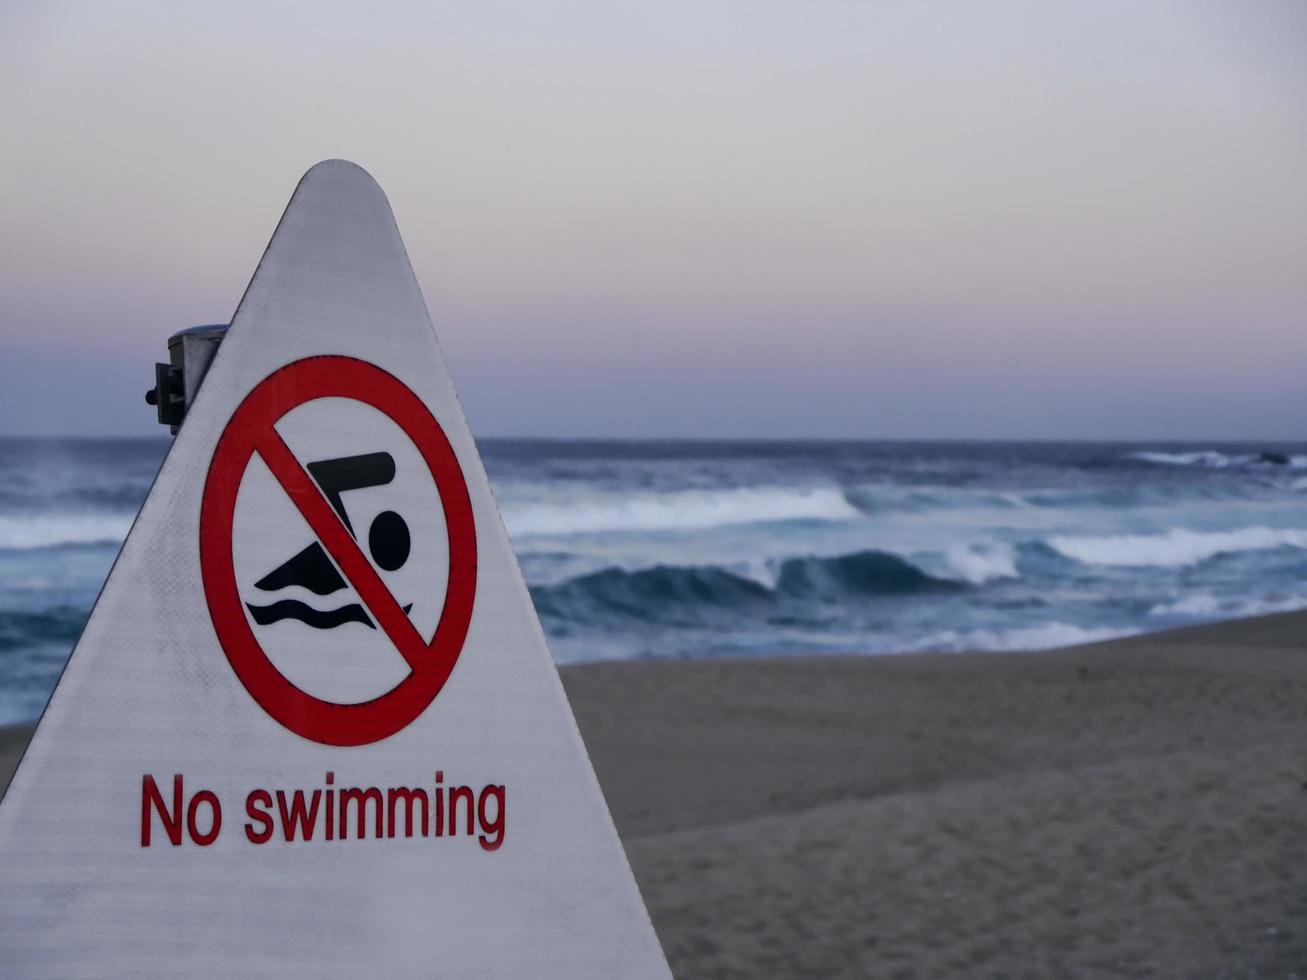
[(691, 218)]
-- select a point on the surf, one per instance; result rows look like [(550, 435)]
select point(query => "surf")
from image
[(28, 532), (684, 510), (634, 549), (1174, 548)]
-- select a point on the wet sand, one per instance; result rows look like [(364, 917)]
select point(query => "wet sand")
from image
[(1133, 808)]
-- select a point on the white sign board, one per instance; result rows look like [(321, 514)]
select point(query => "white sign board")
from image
[(312, 728)]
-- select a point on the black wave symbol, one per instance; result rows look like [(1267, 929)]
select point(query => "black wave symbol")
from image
[(320, 619)]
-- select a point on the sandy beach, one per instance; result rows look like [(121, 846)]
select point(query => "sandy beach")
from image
[(1131, 808)]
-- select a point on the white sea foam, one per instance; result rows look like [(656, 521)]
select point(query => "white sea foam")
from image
[(1206, 605), (882, 498), (1045, 636), (1212, 459), (49, 530), (764, 571), (1205, 457), (1175, 548), (978, 565), (684, 510)]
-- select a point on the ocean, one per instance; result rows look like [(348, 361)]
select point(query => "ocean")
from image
[(705, 549)]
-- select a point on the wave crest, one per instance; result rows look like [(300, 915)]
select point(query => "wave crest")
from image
[(647, 594), (54, 530), (1174, 548), (686, 510), (1215, 459), (685, 590), (977, 566), (1207, 606), (860, 573)]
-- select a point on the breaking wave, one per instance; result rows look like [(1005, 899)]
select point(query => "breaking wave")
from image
[(860, 573), (1215, 459), (637, 549), (883, 498), (1206, 606), (1174, 548), (54, 530), (976, 566), (687, 510), (650, 592)]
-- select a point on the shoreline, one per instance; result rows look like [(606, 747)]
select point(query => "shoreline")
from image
[(1135, 806), (14, 735)]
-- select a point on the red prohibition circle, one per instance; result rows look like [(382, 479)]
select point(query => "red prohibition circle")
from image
[(251, 430)]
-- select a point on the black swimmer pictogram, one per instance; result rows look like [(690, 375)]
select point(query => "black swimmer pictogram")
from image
[(388, 543)]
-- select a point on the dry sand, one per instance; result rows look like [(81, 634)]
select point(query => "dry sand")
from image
[(1132, 808)]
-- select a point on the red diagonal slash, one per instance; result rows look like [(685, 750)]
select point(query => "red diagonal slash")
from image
[(341, 546)]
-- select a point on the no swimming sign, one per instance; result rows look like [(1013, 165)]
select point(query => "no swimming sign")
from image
[(311, 728), (309, 397)]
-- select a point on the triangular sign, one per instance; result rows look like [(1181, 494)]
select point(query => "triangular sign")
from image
[(312, 728)]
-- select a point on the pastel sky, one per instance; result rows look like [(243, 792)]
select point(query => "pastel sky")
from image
[(692, 218)]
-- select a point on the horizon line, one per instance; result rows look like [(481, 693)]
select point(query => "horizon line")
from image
[(1089, 440)]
